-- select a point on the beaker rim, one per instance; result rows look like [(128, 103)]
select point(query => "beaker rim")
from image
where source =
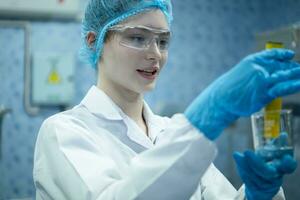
[(261, 113)]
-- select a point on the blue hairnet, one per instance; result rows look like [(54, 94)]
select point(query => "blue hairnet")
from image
[(102, 14)]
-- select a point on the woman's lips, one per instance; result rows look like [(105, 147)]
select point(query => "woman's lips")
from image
[(149, 74)]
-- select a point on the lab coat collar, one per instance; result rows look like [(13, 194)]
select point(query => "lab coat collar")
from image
[(98, 103)]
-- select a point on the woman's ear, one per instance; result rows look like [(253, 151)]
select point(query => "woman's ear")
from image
[(90, 39)]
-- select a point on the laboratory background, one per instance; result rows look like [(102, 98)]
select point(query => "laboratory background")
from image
[(41, 73)]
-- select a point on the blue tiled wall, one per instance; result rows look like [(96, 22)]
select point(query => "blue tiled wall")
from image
[(210, 36), (20, 129)]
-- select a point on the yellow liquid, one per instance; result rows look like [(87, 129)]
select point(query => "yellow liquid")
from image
[(272, 120)]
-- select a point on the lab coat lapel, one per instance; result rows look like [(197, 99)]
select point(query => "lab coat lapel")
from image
[(156, 124), (98, 103), (136, 134)]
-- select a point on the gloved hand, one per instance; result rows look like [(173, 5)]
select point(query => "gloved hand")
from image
[(245, 89), (262, 180)]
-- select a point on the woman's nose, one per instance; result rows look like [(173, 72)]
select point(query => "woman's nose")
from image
[(153, 52)]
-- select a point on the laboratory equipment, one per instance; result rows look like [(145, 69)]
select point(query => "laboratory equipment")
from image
[(271, 146), (272, 130), (272, 125), (271, 117)]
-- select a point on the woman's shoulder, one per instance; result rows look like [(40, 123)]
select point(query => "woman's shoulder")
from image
[(74, 126), (78, 121), (70, 117), (73, 120)]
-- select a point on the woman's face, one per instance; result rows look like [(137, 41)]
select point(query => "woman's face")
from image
[(129, 68)]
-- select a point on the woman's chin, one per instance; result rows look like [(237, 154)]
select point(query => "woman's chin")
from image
[(144, 88), (149, 87)]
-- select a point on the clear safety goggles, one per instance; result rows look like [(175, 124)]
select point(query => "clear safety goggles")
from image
[(141, 37)]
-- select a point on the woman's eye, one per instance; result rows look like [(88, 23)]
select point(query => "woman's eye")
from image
[(164, 42), (137, 38)]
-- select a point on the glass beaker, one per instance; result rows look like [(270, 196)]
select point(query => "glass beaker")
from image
[(272, 133)]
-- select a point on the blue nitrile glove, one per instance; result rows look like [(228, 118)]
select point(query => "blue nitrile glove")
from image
[(245, 89), (262, 179)]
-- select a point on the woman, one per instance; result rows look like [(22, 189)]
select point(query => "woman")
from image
[(111, 145)]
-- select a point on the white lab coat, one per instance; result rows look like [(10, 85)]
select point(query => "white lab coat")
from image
[(95, 151)]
